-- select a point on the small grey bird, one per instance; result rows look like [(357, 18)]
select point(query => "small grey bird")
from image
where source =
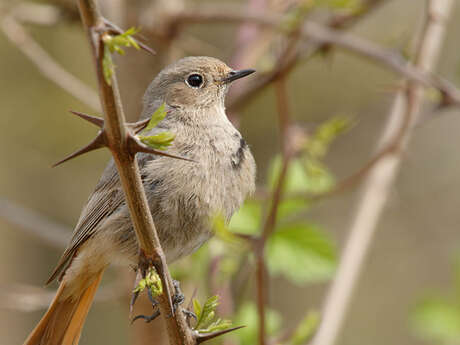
[(183, 196)]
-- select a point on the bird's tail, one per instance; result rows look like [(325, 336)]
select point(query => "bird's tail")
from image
[(63, 322)]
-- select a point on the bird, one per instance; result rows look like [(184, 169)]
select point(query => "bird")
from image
[(183, 196)]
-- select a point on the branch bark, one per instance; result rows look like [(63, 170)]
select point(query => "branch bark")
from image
[(321, 35), (376, 190), (118, 138)]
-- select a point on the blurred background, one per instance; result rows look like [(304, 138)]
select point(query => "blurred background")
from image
[(413, 256)]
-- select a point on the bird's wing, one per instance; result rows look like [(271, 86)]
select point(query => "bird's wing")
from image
[(106, 198)]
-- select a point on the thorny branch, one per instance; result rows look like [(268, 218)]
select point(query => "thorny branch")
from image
[(321, 35), (120, 140), (375, 193)]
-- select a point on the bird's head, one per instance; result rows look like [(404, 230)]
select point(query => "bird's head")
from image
[(191, 84)]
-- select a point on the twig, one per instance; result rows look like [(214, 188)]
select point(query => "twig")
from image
[(247, 93), (270, 221), (123, 148), (35, 224), (48, 67), (377, 186), (321, 35)]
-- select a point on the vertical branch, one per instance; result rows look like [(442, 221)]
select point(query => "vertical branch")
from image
[(120, 142), (270, 222), (404, 114)]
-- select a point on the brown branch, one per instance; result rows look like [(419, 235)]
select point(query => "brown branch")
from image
[(270, 221), (117, 139), (375, 193), (47, 66), (321, 35)]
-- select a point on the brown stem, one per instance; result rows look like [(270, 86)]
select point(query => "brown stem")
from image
[(116, 135), (261, 290), (270, 222), (320, 36)]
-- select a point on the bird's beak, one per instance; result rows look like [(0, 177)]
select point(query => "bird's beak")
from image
[(234, 75)]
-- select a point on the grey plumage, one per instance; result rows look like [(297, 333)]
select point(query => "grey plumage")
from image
[(183, 196)]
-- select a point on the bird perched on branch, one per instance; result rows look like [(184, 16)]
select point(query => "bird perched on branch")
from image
[(183, 196)]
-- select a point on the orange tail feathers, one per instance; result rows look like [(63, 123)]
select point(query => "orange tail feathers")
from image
[(63, 322)]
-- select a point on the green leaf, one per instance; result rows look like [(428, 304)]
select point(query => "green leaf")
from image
[(437, 319), (290, 206), (157, 116), (208, 309), (247, 219), (301, 177), (223, 232), (318, 145), (160, 141), (305, 329), (197, 309), (206, 314), (247, 315), (114, 43), (218, 325), (302, 253)]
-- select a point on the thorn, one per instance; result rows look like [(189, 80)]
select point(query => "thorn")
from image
[(205, 337), (98, 121), (97, 143), (145, 47), (138, 126), (95, 40), (135, 145)]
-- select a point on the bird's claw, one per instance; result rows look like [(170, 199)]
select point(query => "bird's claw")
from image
[(190, 314), (147, 318), (178, 297)]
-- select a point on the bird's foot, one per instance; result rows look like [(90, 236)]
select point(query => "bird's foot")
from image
[(154, 303), (146, 318), (179, 299)]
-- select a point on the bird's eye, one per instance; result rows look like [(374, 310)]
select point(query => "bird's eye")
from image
[(195, 80)]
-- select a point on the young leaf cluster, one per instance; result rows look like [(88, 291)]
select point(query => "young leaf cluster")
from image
[(115, 43), (159, 141), (206, 316), (151, 281)]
